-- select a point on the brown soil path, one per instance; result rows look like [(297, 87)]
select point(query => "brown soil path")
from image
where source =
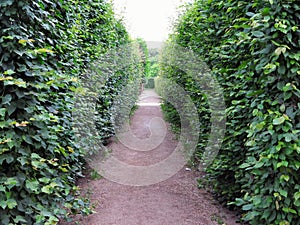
[(175, 201)]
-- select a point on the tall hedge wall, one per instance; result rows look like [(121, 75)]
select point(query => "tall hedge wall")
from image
[(45, 48), (252, 48)]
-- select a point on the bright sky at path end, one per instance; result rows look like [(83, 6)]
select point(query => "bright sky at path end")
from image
[(148, 19)]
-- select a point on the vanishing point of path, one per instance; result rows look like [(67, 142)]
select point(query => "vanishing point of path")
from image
[(175, 201)]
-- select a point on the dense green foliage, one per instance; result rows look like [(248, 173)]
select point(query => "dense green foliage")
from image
[(153, 62), (144, 54), (44, 49), (153, 68), (116, 78), (253, 51)]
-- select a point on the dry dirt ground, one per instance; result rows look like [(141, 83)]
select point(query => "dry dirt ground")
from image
[(175, 201)]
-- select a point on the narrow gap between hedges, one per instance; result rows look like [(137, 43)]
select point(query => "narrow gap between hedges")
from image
[(176, 200)]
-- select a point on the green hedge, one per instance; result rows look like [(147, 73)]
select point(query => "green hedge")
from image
[(144, 54), (153, 62), (45, 48), (115, 78), (253, 51)]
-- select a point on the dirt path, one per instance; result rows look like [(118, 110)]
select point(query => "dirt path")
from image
[(175, 201)]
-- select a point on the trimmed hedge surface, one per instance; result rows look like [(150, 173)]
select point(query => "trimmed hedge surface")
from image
[(45, 48), (253, 51)]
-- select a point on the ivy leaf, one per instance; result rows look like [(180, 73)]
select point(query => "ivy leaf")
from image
[(32, 185), (19, 219), (11, 108), (258, 34), (2, 112), (2, 188), (297, 195), (280, 50), (11, 182), (43, 50), (283, 193), (9, 72), (285, 177), (11, 203), (3, 204), (22, 42), (282, 108), (47, 189), (6, 3), (6, 99), (283, 163), (8, 158), (247, 207), (278, 121), (250, 14), (23, 160)]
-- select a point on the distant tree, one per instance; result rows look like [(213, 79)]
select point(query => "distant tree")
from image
[(144, 55)]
